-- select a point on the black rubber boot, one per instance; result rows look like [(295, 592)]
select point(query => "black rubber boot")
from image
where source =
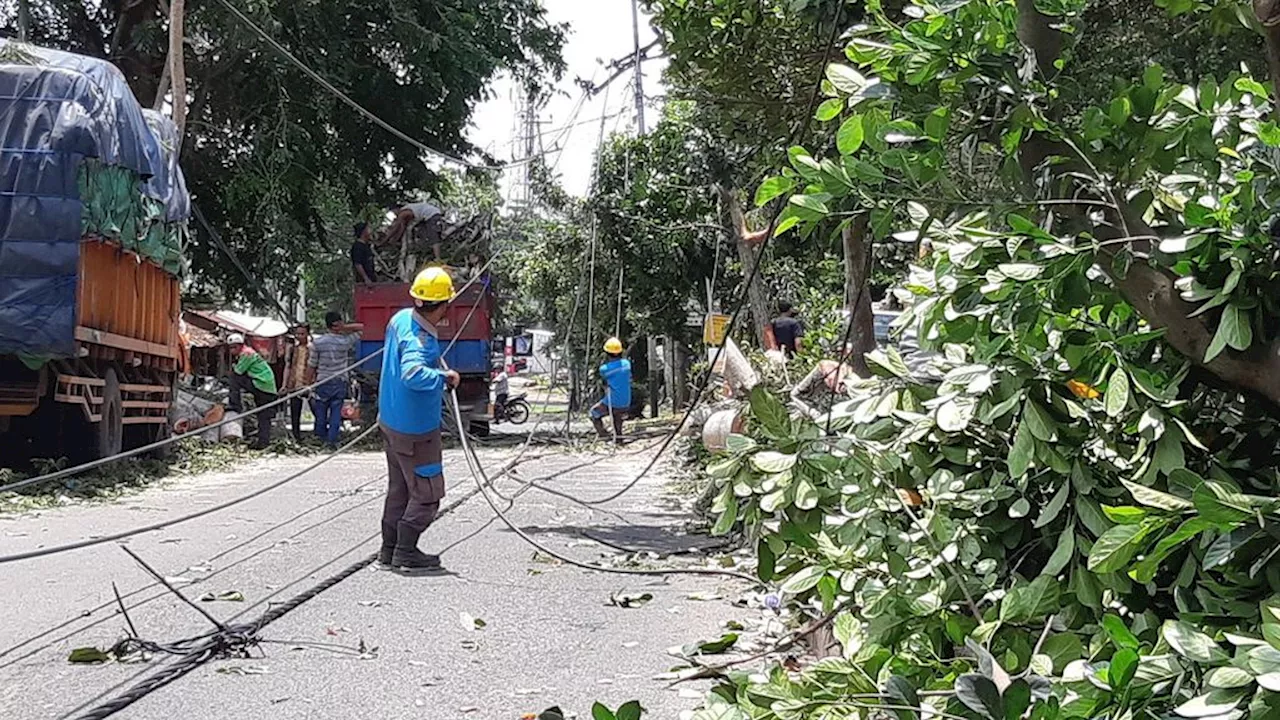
[(617, 428), (385, 556), (414, 562), (407, 559), (599, 425)]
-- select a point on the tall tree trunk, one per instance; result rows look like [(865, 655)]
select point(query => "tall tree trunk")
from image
[(857, 294), (756, 300), (1268, 14), (679, 379), (177, 67), (1150, 290)]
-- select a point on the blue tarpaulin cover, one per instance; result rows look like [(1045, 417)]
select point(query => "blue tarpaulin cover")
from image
[(56, 110)]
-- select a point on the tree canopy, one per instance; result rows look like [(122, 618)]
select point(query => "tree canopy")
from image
[(1069, 516), (278, 164)]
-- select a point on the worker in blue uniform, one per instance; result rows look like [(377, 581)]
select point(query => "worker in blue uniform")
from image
[(616, 373), (410, 401)]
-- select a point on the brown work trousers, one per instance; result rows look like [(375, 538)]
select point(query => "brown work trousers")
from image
[(412, 499)]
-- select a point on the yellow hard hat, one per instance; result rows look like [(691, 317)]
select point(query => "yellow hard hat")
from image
[(613, 346), (432, 285)]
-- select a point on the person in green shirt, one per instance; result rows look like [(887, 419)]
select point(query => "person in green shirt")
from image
[(253, 375)]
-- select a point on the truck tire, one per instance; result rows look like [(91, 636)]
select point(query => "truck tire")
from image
[(110, 429)]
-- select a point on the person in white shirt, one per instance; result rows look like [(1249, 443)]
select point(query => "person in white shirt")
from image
[(411, 214), (501, 391)]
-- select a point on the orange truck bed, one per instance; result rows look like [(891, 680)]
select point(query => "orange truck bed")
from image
[(127, 304)]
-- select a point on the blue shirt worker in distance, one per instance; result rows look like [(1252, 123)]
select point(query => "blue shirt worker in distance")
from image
[(616, 373), (410, 400)]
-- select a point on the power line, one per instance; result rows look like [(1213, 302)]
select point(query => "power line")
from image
[(66, 472), (253, 281), (42, 552), (741, 303), (283, 51)]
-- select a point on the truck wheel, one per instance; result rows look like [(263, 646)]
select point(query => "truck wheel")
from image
[(479, 428), (110, 430)]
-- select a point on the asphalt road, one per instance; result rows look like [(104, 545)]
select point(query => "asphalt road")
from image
[(550, 635)]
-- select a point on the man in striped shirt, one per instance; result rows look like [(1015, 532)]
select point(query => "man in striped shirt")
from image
[(330, 357)]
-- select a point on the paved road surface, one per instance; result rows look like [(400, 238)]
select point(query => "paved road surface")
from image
[(550, 636)]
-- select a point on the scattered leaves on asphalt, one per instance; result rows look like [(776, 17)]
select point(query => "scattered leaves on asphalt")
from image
[(709, 647), (243, 670), (228, 596), (629, 600), (88, 655)]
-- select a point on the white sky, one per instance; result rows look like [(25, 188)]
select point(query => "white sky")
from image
[(599, 32)]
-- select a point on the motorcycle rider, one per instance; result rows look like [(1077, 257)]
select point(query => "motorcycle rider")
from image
[(501, 391)]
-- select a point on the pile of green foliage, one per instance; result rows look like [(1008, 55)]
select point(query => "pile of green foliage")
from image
[(1078, 520)]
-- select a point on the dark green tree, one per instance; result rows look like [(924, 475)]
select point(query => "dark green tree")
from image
[(266, 145)]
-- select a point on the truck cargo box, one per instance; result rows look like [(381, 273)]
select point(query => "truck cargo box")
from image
[(375, 304)]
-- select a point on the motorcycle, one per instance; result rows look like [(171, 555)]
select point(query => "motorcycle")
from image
[(516, 411)]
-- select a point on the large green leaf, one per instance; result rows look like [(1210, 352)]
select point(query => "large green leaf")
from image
[(771, 414), (806, 495), (770, 461), (980, 694), (1157, 499), (1116, 547), (804, 580), (1031, 600), (1221, 503), (772, 188), (1117, 396), (1055, 506), (850, 135), (1063, 551), (1190, 643), (1021, 451), (1234, 330), (1038, 421), (845, 79)]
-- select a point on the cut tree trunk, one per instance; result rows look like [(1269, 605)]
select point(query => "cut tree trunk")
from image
[(748, 255)]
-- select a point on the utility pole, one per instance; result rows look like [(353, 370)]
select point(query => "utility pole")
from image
[(655, 377), (177, 69), (24, 19)]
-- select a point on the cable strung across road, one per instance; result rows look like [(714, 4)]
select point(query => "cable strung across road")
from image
[(42, 552), (65, 472), (243, 635)]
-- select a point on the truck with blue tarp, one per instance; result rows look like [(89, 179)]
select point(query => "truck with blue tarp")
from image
[(93, 211)]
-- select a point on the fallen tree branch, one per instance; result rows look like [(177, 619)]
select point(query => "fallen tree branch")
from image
[(790, 641)]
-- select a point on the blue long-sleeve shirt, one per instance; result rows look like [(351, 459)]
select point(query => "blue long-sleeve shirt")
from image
[(411, 390)]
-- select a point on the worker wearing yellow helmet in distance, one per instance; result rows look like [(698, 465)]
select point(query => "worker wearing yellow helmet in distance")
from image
[(410, 409), (616, 373)]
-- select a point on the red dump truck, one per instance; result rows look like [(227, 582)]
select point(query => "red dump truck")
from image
[(93, 214), (468, 326)]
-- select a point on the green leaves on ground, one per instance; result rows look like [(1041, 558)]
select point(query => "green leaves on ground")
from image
[(627, 711)]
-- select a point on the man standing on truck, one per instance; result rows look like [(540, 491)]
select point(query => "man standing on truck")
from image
[(252, 374), (616, 373), (296, 357), (410, 399), (329, 361), (410, 215), (362, 256)]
